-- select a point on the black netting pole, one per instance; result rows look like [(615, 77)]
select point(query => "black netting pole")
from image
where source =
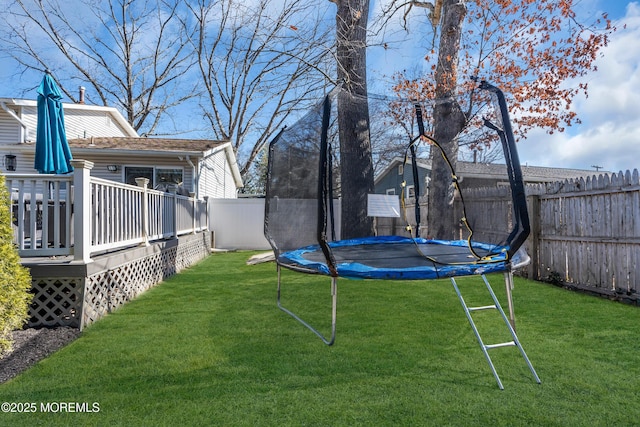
[(521, 226), (325, 188), (414, 167)]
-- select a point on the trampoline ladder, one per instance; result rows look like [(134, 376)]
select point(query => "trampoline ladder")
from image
[(486, 347)]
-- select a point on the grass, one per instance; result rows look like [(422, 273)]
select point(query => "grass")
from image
[(210, 347)]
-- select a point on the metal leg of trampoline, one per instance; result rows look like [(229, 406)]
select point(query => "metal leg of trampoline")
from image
[(334, 305), (508, 284), (486, 347)]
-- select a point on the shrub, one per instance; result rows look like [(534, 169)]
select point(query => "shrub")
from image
[(15, 280)]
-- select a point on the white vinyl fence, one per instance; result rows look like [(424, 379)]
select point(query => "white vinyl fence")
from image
[(238, 223)]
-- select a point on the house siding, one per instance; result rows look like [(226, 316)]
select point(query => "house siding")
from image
[(394, 179), (79, 123), (216, 179), (390, 181), (29, 116), (24, 162), (10, 129), (87, 123)]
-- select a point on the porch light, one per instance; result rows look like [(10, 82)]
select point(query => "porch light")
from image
[(113, 168), (10, 162)]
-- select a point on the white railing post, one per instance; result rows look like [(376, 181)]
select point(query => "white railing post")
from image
[(174, 192), (82, 210), (194, 210), (144, 183)]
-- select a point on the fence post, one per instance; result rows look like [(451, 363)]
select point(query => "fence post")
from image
[(534, 236), (143, 183), (82, 210), (206, 210)]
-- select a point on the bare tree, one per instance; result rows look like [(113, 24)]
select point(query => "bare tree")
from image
[(448, 118), (132, 54), (259, 63), (353, 117)]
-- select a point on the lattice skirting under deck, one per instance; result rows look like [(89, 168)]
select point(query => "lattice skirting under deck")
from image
[(80, 301), (56, 301)]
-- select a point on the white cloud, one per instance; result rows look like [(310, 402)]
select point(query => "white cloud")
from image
[(610, 133)]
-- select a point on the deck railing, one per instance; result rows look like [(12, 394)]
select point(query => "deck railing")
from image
[(41, 210), (81, 215)]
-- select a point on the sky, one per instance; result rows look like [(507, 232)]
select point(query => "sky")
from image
[(608, 137)]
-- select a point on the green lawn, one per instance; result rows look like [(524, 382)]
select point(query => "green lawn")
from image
[(210, 347)]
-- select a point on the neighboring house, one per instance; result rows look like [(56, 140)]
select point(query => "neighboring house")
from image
[(102, 136), (470, 175)]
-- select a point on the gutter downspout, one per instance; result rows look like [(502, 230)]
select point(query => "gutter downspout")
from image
[(12, 113)]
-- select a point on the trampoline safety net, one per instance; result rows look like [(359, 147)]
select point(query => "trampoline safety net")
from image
[(306, 191)]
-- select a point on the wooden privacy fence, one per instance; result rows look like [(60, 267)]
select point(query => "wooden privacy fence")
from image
[(585, 233)]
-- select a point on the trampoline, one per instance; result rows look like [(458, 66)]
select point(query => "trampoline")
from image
[(399, 258), (303, 217)]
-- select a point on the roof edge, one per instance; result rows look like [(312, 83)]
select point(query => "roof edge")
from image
[(118, 117)]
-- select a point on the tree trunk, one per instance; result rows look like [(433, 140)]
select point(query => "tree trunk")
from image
[(356, 173), (449, 120)]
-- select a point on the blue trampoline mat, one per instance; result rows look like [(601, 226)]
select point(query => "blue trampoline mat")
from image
[(396, 257)]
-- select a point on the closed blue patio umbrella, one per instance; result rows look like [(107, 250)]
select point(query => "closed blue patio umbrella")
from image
[(52, 149)]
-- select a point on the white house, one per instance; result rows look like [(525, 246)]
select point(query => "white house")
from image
[(102, 243), (102, 136)]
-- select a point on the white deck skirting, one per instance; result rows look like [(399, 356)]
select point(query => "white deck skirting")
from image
[(72, 294)]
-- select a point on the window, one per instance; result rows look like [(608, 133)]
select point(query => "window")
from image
[(158, 177), (411, 192), (168, 176), (133, 172), (391, 191)]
